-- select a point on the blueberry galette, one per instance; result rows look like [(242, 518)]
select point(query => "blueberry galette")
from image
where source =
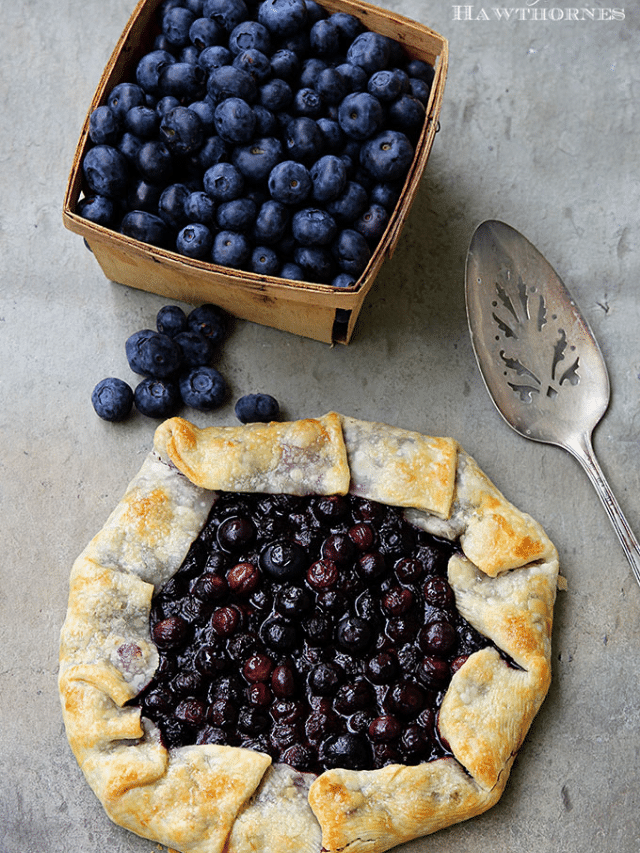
[(305, 636)]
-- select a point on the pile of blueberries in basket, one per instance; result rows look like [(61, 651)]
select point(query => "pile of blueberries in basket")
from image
[(175, 362), (264, 135)]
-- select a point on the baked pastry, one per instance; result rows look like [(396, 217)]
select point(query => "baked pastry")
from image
[(371, 783)]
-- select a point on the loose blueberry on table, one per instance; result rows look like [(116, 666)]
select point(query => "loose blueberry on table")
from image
[(258, 103), (320, 630)]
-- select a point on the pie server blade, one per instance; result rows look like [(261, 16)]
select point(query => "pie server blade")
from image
[(538, 357)]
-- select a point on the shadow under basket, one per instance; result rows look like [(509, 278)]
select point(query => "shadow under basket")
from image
[(317, 311)]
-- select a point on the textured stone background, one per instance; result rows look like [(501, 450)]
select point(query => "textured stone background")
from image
[(540, 128)]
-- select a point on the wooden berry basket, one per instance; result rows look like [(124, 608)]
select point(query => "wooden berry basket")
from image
[(302, 308)]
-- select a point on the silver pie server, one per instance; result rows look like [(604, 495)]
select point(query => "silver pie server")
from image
[(537, 355)]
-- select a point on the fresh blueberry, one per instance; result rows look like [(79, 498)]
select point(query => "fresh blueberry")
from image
[(176, 23), (196, 349), (203, 388), (227, 13), (420, 69), (266, 122), (307, 102), (98, 209), (324, 37), (150, 67), (144, 226), (250, 35), (271, 222), (255, 62), (316, 262), (289, 182), (348, 25), (285, 64), (104, 126), (154, 162), (170, 320), (129, 146), (199, 207), (350, 204), (144, 196), (157, 398), (171, 206), (205, 32), (310, 70), (257, 408), (303, 140), (386, 193), (235, 121), (223, 182), (214, 150), (142, 121), (195, 240), (370, 51), (214, 57), (343, 280), (182, 131), (105, 171), (388, 156), (356, 77), (419, 89), (331, 86), (360, 115), (112, 399), (291, 272), (372, 223), (230, 82), (208, 320), (351, 252), (407, 113), (275, 95), (182, 80), (328, 177), (153, 354), (385, 85), (123, 96), (236, 215), (257, 159), (264, 261), (283, 17), (313, 227), (166, 104), (230, 249), (332, 135)]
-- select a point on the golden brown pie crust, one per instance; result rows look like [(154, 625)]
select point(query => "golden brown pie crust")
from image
[(220, 799)]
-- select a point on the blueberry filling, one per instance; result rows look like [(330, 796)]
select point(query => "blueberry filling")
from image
[(319, 630)]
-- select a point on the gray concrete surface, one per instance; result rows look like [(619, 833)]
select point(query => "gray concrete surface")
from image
[(540, 128)]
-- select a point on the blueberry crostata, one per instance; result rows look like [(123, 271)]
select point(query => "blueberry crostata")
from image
[(304, 637)]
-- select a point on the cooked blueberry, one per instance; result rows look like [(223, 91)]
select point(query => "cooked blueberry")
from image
[(170, 632), (437, 637), (105, 171), (283, 560), (289, 182), (261, 408), (98, 209), (112, 399), (209, 587), (322, 574), (406, 699), (325, 679), (203, 388), (382, 668), (283, 17), (433, 672), (349, 751), (235, 533), (291, 601), (223, 182), (225, 621), (157, 398), (354, 634), (208, 320), (360, 115), (279, 634)]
